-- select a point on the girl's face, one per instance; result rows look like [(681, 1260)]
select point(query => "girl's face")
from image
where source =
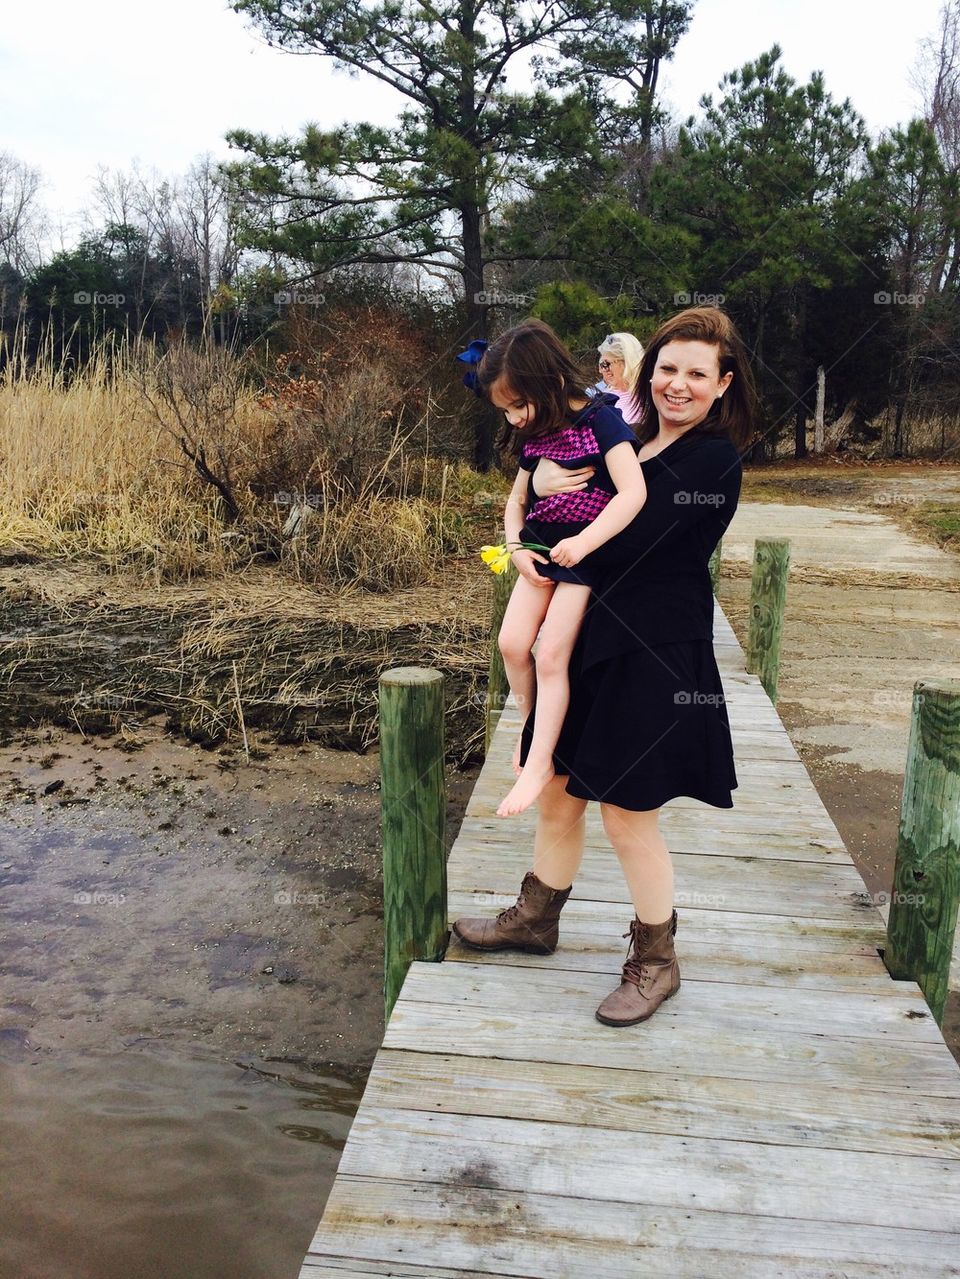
[(686, 381), (518, 412)]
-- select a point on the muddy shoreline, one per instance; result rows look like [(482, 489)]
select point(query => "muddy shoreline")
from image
[(192, 993), (192, 957)]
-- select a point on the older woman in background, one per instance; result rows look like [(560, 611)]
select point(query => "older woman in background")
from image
[(620, 356)]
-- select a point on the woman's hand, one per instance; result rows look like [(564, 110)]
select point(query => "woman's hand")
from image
[(568, 552), (524, 561), (550, 478)]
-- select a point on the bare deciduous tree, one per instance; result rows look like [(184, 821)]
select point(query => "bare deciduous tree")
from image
[(22, 220)]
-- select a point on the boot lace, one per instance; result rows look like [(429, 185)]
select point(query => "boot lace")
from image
[(635, 970), (512, 911)]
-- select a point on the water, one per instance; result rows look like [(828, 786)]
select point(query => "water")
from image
[(164, 1161), (190, 998)]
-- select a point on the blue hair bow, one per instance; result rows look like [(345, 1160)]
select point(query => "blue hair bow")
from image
[(473, 355)]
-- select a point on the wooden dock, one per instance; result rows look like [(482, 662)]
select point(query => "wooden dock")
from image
[(792, 1111)]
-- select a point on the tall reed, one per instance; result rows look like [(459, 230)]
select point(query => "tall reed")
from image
[(99, 463)]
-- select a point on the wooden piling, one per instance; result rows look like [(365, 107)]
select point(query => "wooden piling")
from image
[(926, 877), (713, 565), (497, 686), (413, 809), (768, 594)]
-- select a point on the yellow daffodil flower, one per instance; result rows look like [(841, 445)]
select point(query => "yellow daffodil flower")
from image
[(498, 557)]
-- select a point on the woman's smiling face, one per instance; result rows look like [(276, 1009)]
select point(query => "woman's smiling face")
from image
[(686, 381)]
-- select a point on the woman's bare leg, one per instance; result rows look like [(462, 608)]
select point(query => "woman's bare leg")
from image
[(644, 858), (557, 638), (558, 843)]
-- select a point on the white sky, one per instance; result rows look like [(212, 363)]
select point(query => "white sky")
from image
[(85, 83)]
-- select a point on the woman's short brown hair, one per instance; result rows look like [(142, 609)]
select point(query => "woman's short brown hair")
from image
[(736, 413), (538, 368)]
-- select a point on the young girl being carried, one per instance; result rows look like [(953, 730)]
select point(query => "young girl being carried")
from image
[(531, 377)]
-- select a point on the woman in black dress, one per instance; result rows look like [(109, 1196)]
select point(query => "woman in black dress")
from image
[(647, 720)]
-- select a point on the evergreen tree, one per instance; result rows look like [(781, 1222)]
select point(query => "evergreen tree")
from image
[(424, 190)]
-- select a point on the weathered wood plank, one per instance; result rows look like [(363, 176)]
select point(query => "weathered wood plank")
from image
[(898, 1014), (763, 936), (789, 845), (756, 1178), (716, 882), (497, 1232), (701, 961), (744, 1050), (635, 1100), (790, 1111)]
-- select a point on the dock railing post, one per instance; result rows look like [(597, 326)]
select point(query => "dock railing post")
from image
[(497, 686), (768, 594), (713, 564), (926, 876), (413, 812)]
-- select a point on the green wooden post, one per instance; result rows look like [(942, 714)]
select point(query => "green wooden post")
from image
[(714, 566), (768, 594), (497, 686), (413, 811), (926, 875)]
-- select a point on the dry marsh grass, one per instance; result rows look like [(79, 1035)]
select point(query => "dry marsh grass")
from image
[(176, 464)]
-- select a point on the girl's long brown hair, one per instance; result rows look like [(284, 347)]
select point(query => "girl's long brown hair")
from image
[(735, 416), (537, 368)]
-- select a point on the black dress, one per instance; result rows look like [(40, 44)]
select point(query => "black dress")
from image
[(647, 719)]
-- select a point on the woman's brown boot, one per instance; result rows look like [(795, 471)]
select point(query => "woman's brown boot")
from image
[(650, 975), (533, 923)]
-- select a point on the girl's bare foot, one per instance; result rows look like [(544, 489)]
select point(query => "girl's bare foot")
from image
[(529, 785), (515, 761)]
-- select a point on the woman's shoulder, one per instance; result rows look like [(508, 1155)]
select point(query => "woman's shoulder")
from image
[(708, 444)]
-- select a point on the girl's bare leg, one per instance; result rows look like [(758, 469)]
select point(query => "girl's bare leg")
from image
[(552, 681), (522, 619), (644, 858), (558, 843)]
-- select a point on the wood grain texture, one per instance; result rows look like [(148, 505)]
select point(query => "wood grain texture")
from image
[(926, 881), (413, 810), (791, 1111)]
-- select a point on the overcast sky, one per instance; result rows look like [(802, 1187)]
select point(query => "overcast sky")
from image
[(85, 83)]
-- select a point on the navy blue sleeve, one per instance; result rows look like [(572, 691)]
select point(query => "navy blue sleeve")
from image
[(700, 482), (528, 463), (610, 429)]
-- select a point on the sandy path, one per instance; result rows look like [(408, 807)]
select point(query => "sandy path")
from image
[(870, 610)]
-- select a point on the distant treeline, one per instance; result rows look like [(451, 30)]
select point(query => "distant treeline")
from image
[(576, 199)]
